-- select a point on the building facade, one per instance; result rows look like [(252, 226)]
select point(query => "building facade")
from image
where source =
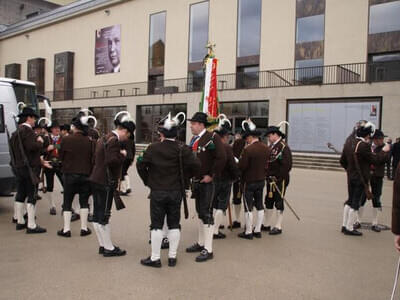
[(320, 64)]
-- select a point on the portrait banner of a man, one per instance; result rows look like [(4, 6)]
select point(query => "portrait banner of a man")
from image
[(108, 50)]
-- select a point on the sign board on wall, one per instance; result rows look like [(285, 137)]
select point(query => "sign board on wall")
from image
[(108, 50), (313, 124)]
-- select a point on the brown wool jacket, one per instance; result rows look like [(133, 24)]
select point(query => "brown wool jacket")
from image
[(253, 161), (231, 170), (279, 161), (111, 158), (32, 148), (77, 154), (159, 167), (396, 203), (212, 157)]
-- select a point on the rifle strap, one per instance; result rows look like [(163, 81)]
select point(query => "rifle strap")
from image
[(358, 166)]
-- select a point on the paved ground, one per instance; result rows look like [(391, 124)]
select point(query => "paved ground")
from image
[(311, 260)]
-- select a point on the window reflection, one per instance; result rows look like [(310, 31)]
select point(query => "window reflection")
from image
[(310, 29), (249, 28), (384, 17), (309, 71), (157, 40), (198, 38)]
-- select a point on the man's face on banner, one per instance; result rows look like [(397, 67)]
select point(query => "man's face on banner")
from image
[(114, 47)]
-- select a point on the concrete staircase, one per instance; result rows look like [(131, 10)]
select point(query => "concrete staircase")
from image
[(328, 162)]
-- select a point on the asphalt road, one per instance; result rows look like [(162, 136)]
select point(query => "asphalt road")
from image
[(310, 260)]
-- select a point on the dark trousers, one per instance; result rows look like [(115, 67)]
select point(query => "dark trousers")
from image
[(273, 197), (102, 200), (204, 195), (237, 193), (25, 187), (165, 203), (356, 193), (253, 195), (125, 166), (376, 189), (76, 184), (222, 194), (50, 177)]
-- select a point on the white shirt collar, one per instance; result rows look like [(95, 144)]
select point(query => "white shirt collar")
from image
[(116, 133), (27, 125), (277, 141), (169, 139), (202, 133)]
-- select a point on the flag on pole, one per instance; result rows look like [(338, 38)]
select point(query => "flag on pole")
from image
[(209, 99)]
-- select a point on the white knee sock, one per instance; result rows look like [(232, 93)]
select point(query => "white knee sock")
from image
[(31, 216), (123, 185), (279, 218), (174, 235), (268, 217), (84, 212), (165, 228), (19, 210), (91, 205), (351, 219), (15, 210), (346, 211), (208, 237), (51, 200), (106, 235), (237, 208), (156, 240), (360, 214), (97, 229), (201, 233), (260, 219), (375, 215), (127, 182), (217, 220), (67, 221), (248, 217)]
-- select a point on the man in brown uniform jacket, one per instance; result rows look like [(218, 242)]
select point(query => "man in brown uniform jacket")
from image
[(357, 161), (238, 146), (396, 208), (160, 169), (278, 167), (252, 165), (77, 156), (108, 157), (211, 153), (32, 146)]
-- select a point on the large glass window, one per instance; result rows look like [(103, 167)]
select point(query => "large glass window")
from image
[(310, 29), (195, 80), (384, 17), (198, 37), (105, 117), (384, 67), (157, 40), (247, 77), (249, 28), (309, 71)]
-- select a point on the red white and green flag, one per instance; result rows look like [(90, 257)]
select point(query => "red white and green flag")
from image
[(209, 101)]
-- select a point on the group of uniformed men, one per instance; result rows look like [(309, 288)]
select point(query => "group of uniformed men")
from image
[(87, 164)]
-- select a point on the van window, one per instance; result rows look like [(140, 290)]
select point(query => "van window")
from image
[(26, 94), (2, 124)]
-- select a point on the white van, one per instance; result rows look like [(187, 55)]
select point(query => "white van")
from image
[(12, 91)]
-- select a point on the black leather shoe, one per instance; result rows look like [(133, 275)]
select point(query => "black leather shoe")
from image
[(165, 243), (64, 234), (85, 232), (14, 220), (75, 217), (221, 227), (38, 229), (375, 228), (53, 211), (219, 236), (172, 262), (353, 232), (257, 235), (128, 191), (20, 226), (37, 197), (275, 231), (124, 194), (194, 248), (115, 252), (204, 256), (235, 224), (357, 225), (101, 250), (343, 229), (90, 218), (265, 228), (243, 235), (150, 263)]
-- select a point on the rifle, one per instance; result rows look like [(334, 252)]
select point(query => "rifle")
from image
[(330, 146), (34, 178), (185, 205), (119, 204), (368, 192), (285, 200), (12, 162)]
